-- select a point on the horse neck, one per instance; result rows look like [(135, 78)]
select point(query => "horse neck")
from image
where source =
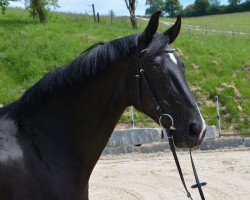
[(83, 120)]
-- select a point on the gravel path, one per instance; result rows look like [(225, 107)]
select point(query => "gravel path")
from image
[(155, 177)]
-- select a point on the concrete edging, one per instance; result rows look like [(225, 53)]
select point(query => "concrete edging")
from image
[(151, 141)]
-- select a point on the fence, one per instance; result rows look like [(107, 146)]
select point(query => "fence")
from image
[(188, 28), (96, 16), (239, 123), (242, 119), (206, 30)]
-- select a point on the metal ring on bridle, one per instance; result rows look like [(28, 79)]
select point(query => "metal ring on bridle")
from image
[(172, 122)]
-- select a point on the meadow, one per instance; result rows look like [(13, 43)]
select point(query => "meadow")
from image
[(218, 63)]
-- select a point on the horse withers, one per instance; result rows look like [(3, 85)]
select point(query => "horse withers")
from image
[(52, 137)]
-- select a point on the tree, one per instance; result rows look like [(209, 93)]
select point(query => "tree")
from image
[(131, 7), (172, 7), (188, 11), (245, 5), (3, 5), (37, 7), (213, 10), (154, 5), (214, 2), (234, 2), (40, 8), (201, 7), (214, 7)]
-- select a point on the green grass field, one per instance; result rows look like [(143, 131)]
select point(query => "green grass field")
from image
[(217, 63), (237, 22)]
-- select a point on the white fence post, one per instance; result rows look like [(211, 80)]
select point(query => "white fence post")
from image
[(132, 116), (218, 115)]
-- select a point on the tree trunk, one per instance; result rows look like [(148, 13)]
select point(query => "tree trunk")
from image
[(133, 20), (40, 11), (131, 7)]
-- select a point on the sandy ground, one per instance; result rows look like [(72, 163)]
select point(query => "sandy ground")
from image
[(155, 177)]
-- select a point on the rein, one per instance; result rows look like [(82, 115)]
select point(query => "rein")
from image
[(170, 133), (141, 78)]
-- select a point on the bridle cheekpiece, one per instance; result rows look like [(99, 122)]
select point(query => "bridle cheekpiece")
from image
[(140, 77)]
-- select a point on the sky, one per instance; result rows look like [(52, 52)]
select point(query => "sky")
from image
[(103, 6)]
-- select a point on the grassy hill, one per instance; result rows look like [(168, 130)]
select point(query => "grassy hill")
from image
[(237, 22), (218, 63)]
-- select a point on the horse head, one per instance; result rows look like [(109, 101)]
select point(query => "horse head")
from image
[(162, 90)]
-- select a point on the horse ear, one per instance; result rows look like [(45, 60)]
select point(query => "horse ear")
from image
[(147, 36), (174, 30)]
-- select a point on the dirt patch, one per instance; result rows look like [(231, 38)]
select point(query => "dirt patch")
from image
[(154, 176), (231, 86)]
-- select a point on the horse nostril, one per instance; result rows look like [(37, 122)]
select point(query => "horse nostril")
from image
[(193, 130)]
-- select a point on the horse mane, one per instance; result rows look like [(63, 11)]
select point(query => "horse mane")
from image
[(92, 62)]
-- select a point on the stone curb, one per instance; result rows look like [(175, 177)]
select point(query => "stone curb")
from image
[(211, 144), (221, 143), (144, 140), (247, 142), (160, 147), (138, 136), (149, 140)]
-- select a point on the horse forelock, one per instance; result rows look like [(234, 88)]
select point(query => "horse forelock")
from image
[(157, 45)]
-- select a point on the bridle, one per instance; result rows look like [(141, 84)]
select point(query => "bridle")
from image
[(142, 80)]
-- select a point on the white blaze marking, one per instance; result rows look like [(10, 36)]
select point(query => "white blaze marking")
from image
[(203, 123), (172, 57)]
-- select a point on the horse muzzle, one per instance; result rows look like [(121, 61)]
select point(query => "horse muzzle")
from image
[(196, 133), (189, 138)]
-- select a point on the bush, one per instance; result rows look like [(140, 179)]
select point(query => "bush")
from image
[(213, 10)]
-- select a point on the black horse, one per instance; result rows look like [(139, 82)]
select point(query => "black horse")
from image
[(52, 137)]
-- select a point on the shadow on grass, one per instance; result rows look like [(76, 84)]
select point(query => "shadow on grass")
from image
[(16, 23)]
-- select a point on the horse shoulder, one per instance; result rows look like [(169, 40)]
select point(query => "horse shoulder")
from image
[(11, 160), (10, 149)]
